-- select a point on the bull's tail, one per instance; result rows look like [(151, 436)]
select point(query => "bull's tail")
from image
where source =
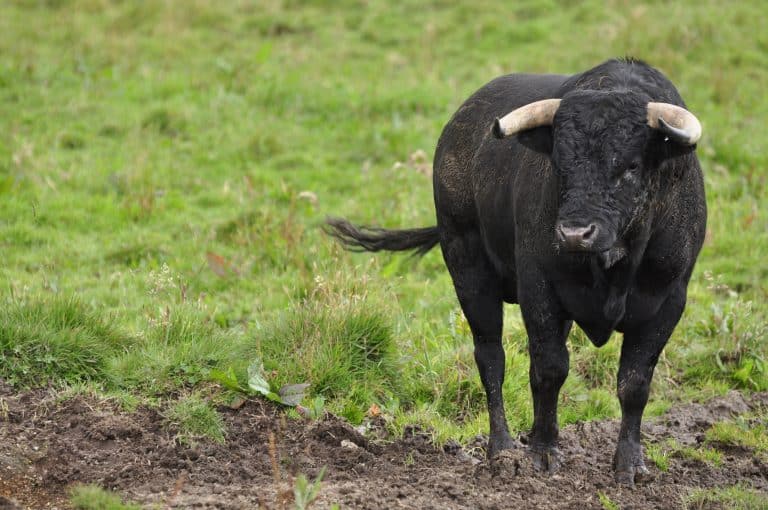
[(354, 238)]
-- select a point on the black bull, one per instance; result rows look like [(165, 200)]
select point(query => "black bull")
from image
[(585, 203)]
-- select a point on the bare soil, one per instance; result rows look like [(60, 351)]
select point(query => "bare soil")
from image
[(47, 445)]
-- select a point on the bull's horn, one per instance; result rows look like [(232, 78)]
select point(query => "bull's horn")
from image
[(532, 115), (675, 122)]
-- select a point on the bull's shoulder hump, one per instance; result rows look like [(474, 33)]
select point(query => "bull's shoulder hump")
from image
[(532, 86), (470, 124), (505, 93), (528, 78)]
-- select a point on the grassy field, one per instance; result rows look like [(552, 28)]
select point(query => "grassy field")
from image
[(165, 168)]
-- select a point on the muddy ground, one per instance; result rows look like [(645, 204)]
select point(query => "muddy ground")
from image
[(47, 445)]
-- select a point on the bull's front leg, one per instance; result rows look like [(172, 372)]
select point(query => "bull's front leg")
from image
[(640, 351), (547, 334)]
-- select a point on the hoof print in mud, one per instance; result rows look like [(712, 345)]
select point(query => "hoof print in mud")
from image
[(337, 433), (510, 463)]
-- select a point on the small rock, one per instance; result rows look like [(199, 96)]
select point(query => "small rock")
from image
[(346, 443), (452, 447)]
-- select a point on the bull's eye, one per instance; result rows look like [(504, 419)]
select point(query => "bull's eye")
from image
[(624, 171)]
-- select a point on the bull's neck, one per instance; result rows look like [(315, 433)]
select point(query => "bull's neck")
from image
[(615, 270)]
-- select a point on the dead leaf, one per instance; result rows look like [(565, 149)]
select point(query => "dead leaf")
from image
[(747, 220), (374, 411), (219, 265), (237, 403)]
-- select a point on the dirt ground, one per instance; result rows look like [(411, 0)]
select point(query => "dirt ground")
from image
[(47, 445)]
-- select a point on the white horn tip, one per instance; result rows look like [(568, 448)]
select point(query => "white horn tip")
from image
[(496, 129), (695, 133)]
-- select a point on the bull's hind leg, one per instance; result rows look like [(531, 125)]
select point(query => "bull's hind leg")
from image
[(547, 335), (640, 351), (479, 289)]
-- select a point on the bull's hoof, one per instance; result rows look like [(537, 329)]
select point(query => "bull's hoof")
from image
[(628, 464), (498, 444), (547, 459), (635, 474)]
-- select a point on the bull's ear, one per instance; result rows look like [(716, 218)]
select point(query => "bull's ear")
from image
[(537, 139), (532, 123)]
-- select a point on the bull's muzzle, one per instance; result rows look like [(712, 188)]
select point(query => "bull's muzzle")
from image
[(577, 238)]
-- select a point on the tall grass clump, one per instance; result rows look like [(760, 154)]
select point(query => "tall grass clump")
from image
[(176, 351), (179, 343), (55, 339), (338, 339), (93, 497), (733, 350)]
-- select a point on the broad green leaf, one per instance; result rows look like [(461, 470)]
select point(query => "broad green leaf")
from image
[(227, 379), (256, 380)]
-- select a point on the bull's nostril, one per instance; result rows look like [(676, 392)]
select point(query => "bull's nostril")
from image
[(577, 238), (589, 231)]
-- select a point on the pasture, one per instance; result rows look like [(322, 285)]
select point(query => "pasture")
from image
[(165, 171)]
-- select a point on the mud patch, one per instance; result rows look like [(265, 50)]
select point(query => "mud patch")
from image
[(47, 445)]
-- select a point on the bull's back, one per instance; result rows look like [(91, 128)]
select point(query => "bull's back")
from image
[(467, 155)]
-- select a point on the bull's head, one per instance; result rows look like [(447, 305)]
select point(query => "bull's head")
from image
[(605, 148)]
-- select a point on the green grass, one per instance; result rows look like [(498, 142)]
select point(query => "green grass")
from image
[(59, 339), (305, 492), (702, 454), (165, 168), (745, 433), (93, 497), (177, 350), (661, 453), (606, 502), (735, 497), (337, 340), (194, 417)]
